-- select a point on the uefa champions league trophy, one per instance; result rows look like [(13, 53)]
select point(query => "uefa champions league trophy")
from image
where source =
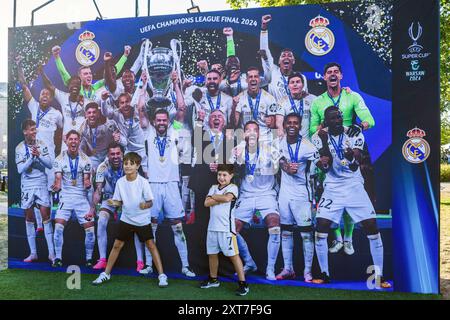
[(159, 63)]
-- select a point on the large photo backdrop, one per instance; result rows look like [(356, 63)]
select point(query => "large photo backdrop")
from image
[(348, 56)]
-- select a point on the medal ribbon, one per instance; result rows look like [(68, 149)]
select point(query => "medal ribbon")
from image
[(285, 82), (215, 143), (40, 115), (336, 103), (294, 157), (73, 169), (73, 113), (115, 176), (94, 138), (161, 145), (294, 106), (27, 152), (337, 146), (255, 109), (211, 104), (251, 167)]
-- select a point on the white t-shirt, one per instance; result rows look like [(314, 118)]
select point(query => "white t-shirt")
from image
[(62, 165), (339, 174), (287, 108), (307, 154), (133, 193), (222, 215), (48, 122)]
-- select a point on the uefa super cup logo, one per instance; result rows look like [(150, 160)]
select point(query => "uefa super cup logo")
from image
[(159, 63)]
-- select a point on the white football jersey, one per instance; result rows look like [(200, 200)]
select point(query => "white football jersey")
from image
[(225, 104), (307, 155), (46, 124), (340, 173), (106, 175), (222, 215), (62, 165), (32, 170), (73, 112), (162, 168), (303, 107)]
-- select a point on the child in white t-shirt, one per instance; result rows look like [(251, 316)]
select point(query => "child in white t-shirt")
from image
[(221, 235), (133, 193)]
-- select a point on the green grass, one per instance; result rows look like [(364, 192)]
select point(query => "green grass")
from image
[(27, 284)]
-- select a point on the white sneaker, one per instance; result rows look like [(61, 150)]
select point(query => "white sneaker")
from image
[(250, 268), (308, 277), (103, 277), (348, 248), (147, 270), (270, 275), (187, 271), (162, 280), (336, 246)]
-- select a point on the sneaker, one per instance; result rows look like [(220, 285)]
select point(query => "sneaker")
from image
[(210, 283), (250, 268), (139, 265), (243, 289), (162, 280), (324, 278), (103, 277), (384, 284), (57, 263), (336, 246), (308, 277), (89, 263), (101, 264), (348, 248), (270, 275), (31, 258), (286, 274), (51, 258), (146, 270), (187, 271)]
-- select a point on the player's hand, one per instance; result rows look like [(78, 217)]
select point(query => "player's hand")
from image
[(56, 51), (201, 114), (113, 203), (105, 95), (236, 101), (202, 65), (116, 136), (35, 151), (126, 50), (326, 161), (354, 130), (265, 21), (213, 167), (262, 54), (292, 168), (323, 135), (90, 215), (174, 76), (40, 69), (347, 89), (270, 121), (56, 187), (349, 154), (144, 77), (228, 31), (143, 206), (107, 56), (87, 184)]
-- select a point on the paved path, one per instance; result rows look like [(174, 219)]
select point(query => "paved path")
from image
[(3, 204)]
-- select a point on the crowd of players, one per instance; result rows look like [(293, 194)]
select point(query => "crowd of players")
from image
[(262, 123)]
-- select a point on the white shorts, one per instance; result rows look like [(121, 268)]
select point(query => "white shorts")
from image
[(246, 207), (167, 199), (81, 208), (50, 178), (295, 210), (106, 207), (39, 196), (217, 241), (352, 198)]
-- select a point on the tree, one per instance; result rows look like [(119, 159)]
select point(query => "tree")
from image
[(445, 48)]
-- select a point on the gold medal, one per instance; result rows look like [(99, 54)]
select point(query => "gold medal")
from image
[(74, 182), (344, 162), (94, 152), (162, 159), (250, 178), (29, 170)]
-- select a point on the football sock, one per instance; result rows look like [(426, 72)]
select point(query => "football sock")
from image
[(138, 247), (322, 251), (37, 214), (185, 191), (59, 239), (308, 250), (31, 236), (273, 246), (287, 246), (102, 237), (48, 231), (148, 257), (89, 241), (180, 243), (338, 234), (192, 199), (376, 250), (243, 250), (348, 227)]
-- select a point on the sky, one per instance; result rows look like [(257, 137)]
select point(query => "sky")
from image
[(82, 10)]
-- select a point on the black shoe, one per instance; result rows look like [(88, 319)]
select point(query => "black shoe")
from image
[(324, 278), (89, 263), (210, 283), (243, 288), (57, 263)]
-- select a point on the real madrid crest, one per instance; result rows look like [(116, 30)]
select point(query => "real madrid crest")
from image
[(416, 149), (88, 51), (319, 40)]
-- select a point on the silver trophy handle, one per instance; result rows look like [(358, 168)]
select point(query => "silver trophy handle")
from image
[(147, 47), (175, 46)]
